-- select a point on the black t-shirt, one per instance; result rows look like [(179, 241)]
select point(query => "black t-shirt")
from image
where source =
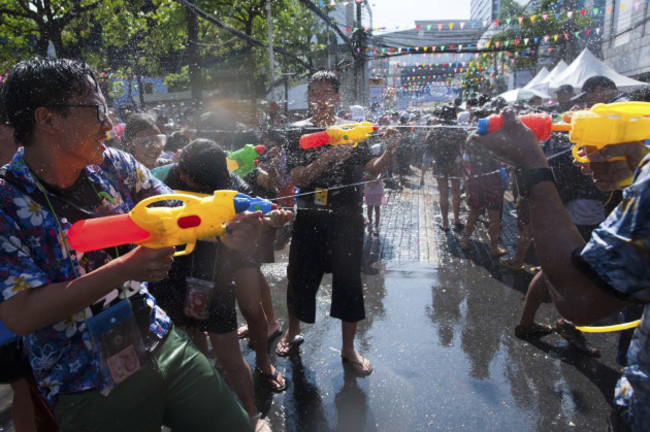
[(348, 172)]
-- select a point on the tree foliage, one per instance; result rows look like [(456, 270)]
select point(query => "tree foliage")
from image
[(150, 37)]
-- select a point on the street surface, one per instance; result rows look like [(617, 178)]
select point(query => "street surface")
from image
[(440, 334)]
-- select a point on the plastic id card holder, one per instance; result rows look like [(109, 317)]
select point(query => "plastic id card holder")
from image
[(320, 198), (118, 343), (198, 293)]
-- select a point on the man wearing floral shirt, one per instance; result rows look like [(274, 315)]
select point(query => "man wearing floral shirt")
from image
[(51, 292)]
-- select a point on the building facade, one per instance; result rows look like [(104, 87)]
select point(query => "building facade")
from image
[(626, 38)]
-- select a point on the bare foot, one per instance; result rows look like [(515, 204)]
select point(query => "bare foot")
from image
[(242, 332), (360, 364)]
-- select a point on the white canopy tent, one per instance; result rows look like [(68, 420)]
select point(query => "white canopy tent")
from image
[(523, 94), (556, 72), (587, 65), (541, 75)]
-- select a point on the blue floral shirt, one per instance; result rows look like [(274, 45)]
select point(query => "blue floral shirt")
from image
[(619, 251), (33, 254)]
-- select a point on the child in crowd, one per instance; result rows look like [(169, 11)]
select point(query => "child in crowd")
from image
[(373, 195)]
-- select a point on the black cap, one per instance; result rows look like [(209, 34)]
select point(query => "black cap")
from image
[(592, 83)]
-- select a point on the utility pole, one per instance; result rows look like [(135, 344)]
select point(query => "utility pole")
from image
[(269, 22), (359, 54)]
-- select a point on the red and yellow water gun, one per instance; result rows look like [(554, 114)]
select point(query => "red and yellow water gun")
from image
[(600, 126), (157, 227), (345, 134)]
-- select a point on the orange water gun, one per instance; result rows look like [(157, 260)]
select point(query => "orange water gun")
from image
[(345, 134), (199, 218)]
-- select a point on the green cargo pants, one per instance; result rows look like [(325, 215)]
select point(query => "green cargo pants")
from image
[(179, 389)]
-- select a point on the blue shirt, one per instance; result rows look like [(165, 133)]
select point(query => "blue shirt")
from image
[(32, 254), (619, 252)]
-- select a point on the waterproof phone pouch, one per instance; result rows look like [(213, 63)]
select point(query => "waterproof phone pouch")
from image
[(320, 197), (198, 293), (118, 343)]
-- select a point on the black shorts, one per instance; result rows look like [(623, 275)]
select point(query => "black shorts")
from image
[(324, 242), (13, 363)]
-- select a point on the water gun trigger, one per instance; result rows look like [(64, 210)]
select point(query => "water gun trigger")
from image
[(582, 157), (189, 248)]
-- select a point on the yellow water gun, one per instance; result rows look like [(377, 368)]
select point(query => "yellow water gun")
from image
[(608, 124), (345, 134), (198, 218)]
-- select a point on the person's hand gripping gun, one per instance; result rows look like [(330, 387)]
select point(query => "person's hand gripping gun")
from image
[(158, 227)]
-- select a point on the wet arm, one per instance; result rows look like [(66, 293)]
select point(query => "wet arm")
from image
[(38, 307)]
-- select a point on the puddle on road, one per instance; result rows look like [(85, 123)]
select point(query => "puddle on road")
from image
[(445, 357)]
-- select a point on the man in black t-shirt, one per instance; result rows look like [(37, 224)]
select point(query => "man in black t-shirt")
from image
[(328, 230)]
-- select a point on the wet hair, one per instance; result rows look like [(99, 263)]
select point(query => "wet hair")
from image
[(43, 83), (448, 114), (641, 95), (327, 77), (136, 124), (483, 99), (203, 161), (499, 103), (177, 140)]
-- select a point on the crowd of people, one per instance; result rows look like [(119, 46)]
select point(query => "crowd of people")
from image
[(108, 333)]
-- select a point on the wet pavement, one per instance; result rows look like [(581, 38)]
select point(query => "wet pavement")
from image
[(440, 334)]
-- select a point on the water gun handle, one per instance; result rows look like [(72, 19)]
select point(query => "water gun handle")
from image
[(539, 123)]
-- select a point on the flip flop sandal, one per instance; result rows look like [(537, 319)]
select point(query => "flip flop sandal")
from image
[(263, 426), (288, 347), (575, 338), (532, 331), (358, 366), (272, 377), (507, 263)]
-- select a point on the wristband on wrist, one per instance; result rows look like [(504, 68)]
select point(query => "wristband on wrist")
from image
[(526, 179)]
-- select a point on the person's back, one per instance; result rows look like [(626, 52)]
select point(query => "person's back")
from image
[(446, 143)]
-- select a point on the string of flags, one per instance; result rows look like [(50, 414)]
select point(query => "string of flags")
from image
[(494, 45), (505, 22)]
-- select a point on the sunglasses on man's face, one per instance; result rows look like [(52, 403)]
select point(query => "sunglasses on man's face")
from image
[(101, 109), (149, 141)]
